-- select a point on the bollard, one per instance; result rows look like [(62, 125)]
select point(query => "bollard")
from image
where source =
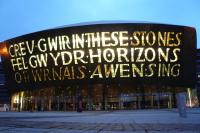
[(181, 103), (79, 104)]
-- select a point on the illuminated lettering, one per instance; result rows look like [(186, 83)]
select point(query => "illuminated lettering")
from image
[(123, 38), (79, 41), (37, 75), (11, 50), (109, 55), (143, 37), (78, 56), (139, 57), (65, 43), (153, 38), (66, 58), (42, 60), (26, 77), (162, 38), (55, 58), (18, 77), (175, 70), (165, 70), (106, 54), (178, 38), (137, 70), (96, 40), (164, 55), (66, 74), (105, 39), (151, 71), (97, 72), (132, 54), (89, 38), (175, 53), (135, 41), (170, 39), (18, 63), (111, 70), (114, 36), (30, 47), (53, 43), (97, 55), (46, 74), (22, 48), (122, 52), (57, 75), (148, 53), (17, 50), (33, 61), (42, 46), (124, 70), (82, 73)]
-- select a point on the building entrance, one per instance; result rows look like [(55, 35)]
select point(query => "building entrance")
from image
[(98, 97)]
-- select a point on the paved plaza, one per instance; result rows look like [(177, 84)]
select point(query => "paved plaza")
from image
[(136, 121)]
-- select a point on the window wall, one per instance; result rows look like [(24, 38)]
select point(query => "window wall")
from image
[(100, 97)]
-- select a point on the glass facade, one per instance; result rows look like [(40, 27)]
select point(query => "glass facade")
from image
[(4, 95), (100, 97)]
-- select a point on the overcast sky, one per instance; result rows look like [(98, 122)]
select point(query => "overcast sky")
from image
[(18, 17)]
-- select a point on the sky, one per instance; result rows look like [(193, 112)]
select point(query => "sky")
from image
[(19, 17)]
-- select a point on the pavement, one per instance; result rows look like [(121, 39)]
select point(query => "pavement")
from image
[(132, 121)]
